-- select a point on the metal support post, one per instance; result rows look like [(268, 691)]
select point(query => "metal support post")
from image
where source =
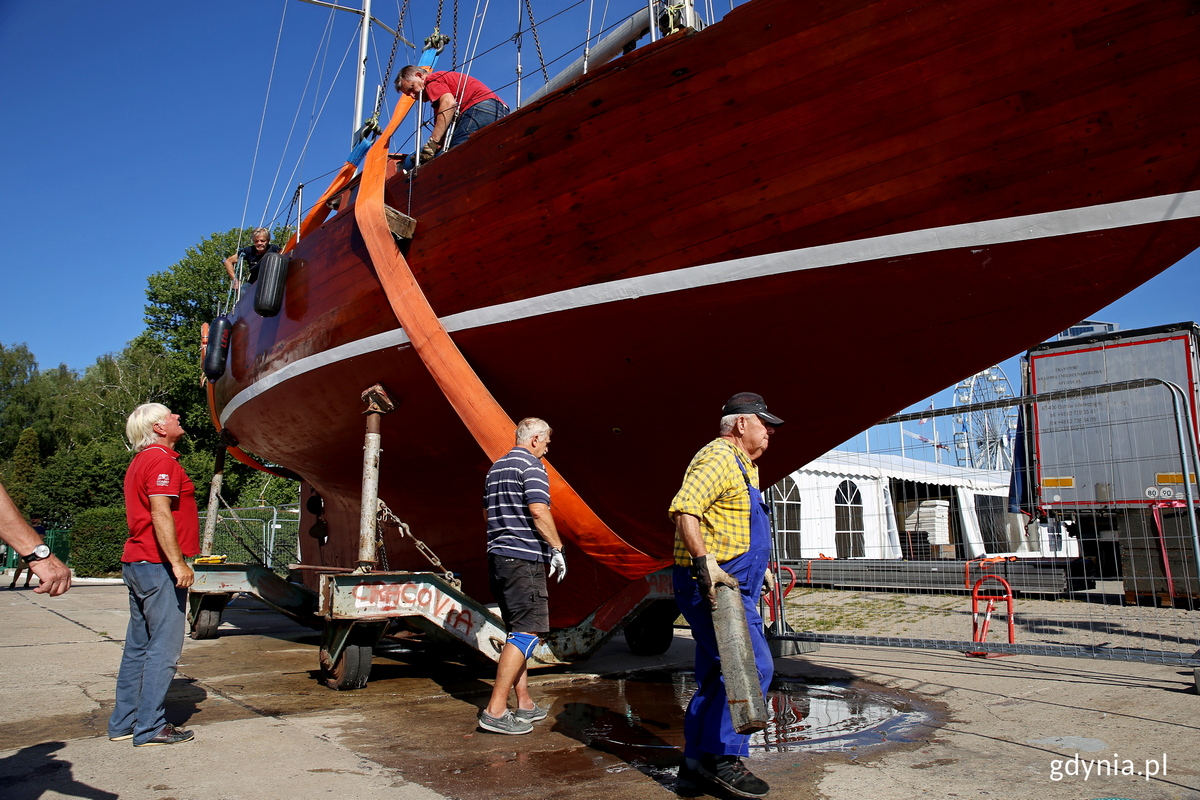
[(214, 496), (378, 404)]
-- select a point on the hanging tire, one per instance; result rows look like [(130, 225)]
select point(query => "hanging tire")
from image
[(218, 347), (651, 632), (268, 290)]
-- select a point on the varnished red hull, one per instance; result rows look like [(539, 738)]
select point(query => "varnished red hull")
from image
[(843, 206)]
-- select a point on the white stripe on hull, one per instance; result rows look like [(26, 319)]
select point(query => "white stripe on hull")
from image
[(1110, 216)]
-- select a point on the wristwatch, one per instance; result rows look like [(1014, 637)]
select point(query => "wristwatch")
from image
[(39, 552)]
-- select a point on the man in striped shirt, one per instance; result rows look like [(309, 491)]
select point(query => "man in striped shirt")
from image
[(521, 538)]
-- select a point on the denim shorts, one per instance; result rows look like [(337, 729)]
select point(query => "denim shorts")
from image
[(519, 586)]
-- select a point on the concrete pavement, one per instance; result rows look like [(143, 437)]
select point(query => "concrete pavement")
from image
[(265, 728)]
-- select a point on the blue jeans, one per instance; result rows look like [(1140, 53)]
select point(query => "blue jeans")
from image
[(485, 112), (153, 643)]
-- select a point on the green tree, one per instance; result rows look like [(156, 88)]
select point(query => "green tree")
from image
[(180, 299), (18, 369), (85, 477), (53, 391), (23, 469), (100, 401)]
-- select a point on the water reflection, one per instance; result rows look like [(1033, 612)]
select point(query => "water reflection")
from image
[(640, 718)]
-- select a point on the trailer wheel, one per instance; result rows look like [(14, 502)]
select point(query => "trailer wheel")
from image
[(650, 633), (351, 670), (206, 617)]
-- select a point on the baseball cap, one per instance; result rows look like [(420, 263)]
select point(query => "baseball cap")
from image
[(750, 403)]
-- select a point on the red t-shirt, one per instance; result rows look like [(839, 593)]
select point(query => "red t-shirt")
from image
[(155, 472), (465, 89)]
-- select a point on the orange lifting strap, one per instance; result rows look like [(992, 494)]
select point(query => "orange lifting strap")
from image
[(471, 400)]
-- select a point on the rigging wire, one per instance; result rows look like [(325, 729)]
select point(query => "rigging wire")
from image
[(229, 295), (317, 117), (322, 55)]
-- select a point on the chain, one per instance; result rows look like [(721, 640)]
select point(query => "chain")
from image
[(385, 515), (454, 38), (537, 42)]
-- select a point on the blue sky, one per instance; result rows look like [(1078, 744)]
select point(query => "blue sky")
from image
[(130, 131)]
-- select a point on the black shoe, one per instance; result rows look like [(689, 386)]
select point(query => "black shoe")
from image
[(731, 773), (689, 782), (169, 735)]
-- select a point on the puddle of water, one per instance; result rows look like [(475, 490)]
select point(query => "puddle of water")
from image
[(640, 718)]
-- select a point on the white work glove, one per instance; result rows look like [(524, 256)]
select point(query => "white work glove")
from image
[(708, 574), (558, 564), (768, 582)]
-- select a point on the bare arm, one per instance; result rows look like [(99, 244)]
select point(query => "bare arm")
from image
[(164, 532), (544, 522), (443, 112), (54, 576), (229, 264)]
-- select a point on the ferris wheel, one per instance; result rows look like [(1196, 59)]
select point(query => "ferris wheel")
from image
[(983, 438)]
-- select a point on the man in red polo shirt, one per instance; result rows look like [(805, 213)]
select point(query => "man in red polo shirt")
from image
[(452, 94), (164, 528)]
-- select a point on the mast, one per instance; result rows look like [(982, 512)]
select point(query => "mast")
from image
[(363, 40), (361, 79)]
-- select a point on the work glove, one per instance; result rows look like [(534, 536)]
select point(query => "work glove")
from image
[(709, 574), (768, 582), (429, 151), (558, 564)]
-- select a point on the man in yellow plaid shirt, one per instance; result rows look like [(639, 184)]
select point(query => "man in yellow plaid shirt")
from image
[(723, 536)]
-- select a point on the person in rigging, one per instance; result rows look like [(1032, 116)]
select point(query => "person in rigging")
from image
[(451, 93)]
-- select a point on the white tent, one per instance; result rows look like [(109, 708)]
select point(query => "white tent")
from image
[(841, 506)]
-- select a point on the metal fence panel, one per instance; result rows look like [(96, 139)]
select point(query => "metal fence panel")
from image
[(887, 540), (267, 536)]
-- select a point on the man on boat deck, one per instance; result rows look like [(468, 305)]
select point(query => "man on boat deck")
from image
[(521, 538), (448, 92), (723, 536), (260, 245)]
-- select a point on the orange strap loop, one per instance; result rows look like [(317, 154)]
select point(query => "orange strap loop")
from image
[(487, 422)]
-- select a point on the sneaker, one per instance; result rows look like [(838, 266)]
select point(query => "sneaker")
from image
[(120, 737), (168, 735), (535, 714), (731, 773), (505, 723)]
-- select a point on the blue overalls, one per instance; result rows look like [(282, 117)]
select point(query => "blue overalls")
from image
[(707, 727)]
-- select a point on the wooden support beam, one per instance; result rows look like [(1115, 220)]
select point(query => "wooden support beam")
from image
[(401, 225)]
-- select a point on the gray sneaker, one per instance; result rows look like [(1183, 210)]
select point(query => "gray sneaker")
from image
[(535, 714), (506, 723)]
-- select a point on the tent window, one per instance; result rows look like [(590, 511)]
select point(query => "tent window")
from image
[(848, 521), (787, 518)]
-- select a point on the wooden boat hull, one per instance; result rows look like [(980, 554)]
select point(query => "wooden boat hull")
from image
[(844, 207)]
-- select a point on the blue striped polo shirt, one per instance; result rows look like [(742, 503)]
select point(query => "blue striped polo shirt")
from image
[(513, 482)]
